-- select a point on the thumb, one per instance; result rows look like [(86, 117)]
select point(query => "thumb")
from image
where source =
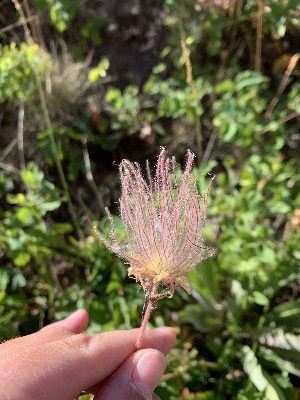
[(136, 378)]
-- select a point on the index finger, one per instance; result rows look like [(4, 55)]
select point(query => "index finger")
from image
[(74, 323), (62, 369)]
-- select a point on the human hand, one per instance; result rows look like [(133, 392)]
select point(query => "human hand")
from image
[(59, 362)]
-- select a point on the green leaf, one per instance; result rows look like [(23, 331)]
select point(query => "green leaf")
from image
[(249, 78), (270, 358), (25, 216), (231, 130), (157, 69), (113, 94), (59, 17), (225, 86), (288, 308), (16, 199), (100, 71), (256, 374), (268, 255), (202, 322), (279, 207), (50, 205), (285, 345), (18, 280), (22, 259), (4, 280), (32, 176), (14, 243), (260, 298), (28, 178), (94, 75), (282, 340)]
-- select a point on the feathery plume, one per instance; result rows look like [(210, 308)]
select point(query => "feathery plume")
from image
[(164, 219)]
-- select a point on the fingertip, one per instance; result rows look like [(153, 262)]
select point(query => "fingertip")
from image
[(162, 339), (136, 378), (149, 366), (78, 321), (167, 331), (75, 322)]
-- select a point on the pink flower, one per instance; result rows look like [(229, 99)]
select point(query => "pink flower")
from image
[(164, 219)]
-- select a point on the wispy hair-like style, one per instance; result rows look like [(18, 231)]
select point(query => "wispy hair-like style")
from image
[(164, 218)]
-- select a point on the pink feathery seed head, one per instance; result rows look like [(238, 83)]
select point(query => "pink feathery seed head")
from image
[(164, 219)]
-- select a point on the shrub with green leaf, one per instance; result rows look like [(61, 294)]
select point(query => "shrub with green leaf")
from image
[(226, 86)]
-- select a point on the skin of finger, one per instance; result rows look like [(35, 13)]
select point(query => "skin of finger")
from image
[(119, 385), (33, 340), (76, 322), (63, 368)]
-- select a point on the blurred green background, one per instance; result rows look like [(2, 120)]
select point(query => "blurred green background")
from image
[(84, 84)]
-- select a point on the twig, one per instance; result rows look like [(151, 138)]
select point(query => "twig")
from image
[(30, 19), (288, 117), (259, 22), (284, 81), (48, 123), (20, 135), (89, 174), (23, 20), (179, 371), (209, 148), (191, 83), (8, 148), (16, 24), (227, 52), (235, 8), (9, 168)]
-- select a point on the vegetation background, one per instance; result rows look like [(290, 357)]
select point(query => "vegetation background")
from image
[(84, 84)]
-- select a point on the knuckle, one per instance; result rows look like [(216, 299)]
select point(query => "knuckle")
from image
[(57, 329), (82, 342)]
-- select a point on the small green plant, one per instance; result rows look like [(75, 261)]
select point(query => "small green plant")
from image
[(61, 12), (24, 234), (17, 66), (226, 87)]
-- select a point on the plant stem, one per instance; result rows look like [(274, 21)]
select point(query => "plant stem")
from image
[(190, 81), (48, 124), (20, 134), (54, 150), (143, 326), (89, 174), (184, 368), (145, 317)]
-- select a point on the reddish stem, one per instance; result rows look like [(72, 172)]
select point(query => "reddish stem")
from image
[(145, 318)]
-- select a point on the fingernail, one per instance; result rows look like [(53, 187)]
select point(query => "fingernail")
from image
[(165, 329), (147, 372)]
